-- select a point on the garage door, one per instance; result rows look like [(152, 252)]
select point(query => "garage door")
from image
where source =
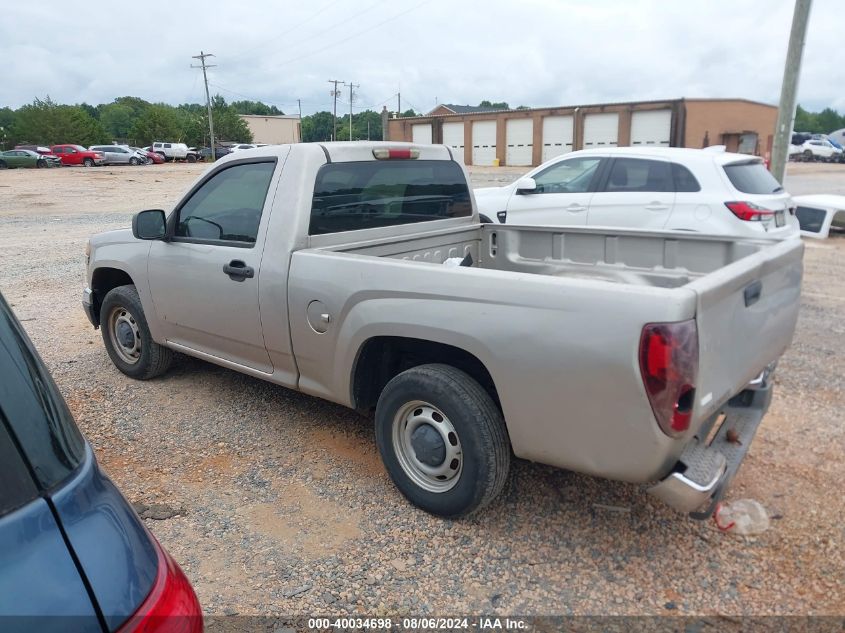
[(453, 136), (519, 135), (421, 133), (557, 136), (601, 130), (483, 142), (651, 128)]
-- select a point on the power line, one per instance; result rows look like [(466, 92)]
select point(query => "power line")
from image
[(354, 35), (203, 65)]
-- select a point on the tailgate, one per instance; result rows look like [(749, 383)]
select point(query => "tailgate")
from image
[(746, 316)]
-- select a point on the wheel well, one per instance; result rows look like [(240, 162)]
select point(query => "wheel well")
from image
[(102, 281), (383, 357)]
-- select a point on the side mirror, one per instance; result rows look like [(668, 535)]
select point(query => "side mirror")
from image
[(149, 225), (526, 185)]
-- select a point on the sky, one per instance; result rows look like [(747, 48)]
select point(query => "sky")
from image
[(525, 52)]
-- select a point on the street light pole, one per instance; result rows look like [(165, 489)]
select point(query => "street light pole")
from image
[(789, 88)]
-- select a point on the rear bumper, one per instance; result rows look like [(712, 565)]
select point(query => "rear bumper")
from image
[(704, 472)]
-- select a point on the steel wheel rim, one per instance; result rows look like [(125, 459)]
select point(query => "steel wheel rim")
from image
[(122, 325), (411, 418)]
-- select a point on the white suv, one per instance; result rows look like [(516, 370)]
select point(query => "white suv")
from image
[(707, 191)]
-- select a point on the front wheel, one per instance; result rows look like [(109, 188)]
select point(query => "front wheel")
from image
[(192, 158), (127, 337), (808, 155), (443, 440), (41, 164), (133, 161), (88, 162)]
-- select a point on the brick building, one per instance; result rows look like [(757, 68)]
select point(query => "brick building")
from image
[(531, 136)]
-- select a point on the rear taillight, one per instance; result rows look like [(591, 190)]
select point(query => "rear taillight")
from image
[(749, 211), (171, 606), (669, 367), (393, 153)]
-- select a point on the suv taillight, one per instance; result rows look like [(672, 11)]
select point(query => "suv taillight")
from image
[(171, 606), (749, 211), (669, 367)]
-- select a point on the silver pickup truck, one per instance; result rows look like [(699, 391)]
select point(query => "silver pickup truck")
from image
[(359, 273)]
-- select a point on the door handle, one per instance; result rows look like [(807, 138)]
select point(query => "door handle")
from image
[(238, 270), (576, 208), (657, 206)]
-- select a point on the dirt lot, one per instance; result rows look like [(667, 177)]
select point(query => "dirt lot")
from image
[(276, 503)]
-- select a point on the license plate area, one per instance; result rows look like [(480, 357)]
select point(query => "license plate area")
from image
[(780, 218)]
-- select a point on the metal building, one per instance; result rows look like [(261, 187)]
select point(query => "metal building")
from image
[(529, 137)]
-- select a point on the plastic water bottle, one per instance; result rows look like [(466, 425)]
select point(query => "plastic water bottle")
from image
[(743, 516)]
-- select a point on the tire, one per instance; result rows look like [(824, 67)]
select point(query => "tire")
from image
[(88, 162), (133, 161), (122, 318), (449, 402), (3, 164), (192, 158), (808, 155), (40, 164)]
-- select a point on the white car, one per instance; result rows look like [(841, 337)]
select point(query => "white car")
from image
[(818, 214), (241, 146), (707, 191), (819, 149), (175, 151)]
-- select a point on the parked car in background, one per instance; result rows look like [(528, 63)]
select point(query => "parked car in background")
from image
[(75, 555), (117, 155), (43, 151), (820, 149), (219, 152), (152, 157), (241, 146), (78, 155), (706, 191), (821, 214), (175, 151), (14, 158)]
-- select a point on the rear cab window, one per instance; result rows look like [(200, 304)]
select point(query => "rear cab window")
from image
[(351, 196), (752, 177)]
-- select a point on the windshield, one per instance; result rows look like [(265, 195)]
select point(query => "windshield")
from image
[(752, 177), (369, 194), (79, 148)]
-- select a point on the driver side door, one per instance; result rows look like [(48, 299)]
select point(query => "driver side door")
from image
[(204, 278), (562, 196)]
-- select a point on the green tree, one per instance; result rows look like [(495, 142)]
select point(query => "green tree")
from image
[(317, 127), (117, 119), (409, 113), (138, 105), (228, 125), (159, 122), (828, 120), (7, 120), (500, 105), (255, 107), (46, 123)]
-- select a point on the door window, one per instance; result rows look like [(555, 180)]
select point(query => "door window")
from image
[(569, 176), (685, 182), (227, 207), (634, 174)]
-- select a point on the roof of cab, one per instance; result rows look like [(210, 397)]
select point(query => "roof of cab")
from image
[(343, 151)]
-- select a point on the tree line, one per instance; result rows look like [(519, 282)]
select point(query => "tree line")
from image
[(824, 122)]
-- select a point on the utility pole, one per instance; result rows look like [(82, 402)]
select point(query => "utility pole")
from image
[(398, 104), (335, 95), (789, 88), (299, 103), (203, 65), (351, 97)]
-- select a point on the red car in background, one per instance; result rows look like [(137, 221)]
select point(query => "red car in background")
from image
[(152, 157), (77, 155)]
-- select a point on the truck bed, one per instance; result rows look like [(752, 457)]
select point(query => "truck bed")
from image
[(660, 259)]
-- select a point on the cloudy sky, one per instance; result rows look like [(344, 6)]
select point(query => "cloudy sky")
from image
[(525, 52)]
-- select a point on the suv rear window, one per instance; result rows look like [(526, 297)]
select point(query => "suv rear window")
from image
[(752, 177), (370, 194)]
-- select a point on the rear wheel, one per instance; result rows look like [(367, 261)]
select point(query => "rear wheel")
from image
[(192, 158), (133, 161), (127, 337), (808, 155), (3, 164), (88, 162), (442, 440)]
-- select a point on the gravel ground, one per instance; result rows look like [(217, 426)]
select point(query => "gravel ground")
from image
[(277, 503)]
